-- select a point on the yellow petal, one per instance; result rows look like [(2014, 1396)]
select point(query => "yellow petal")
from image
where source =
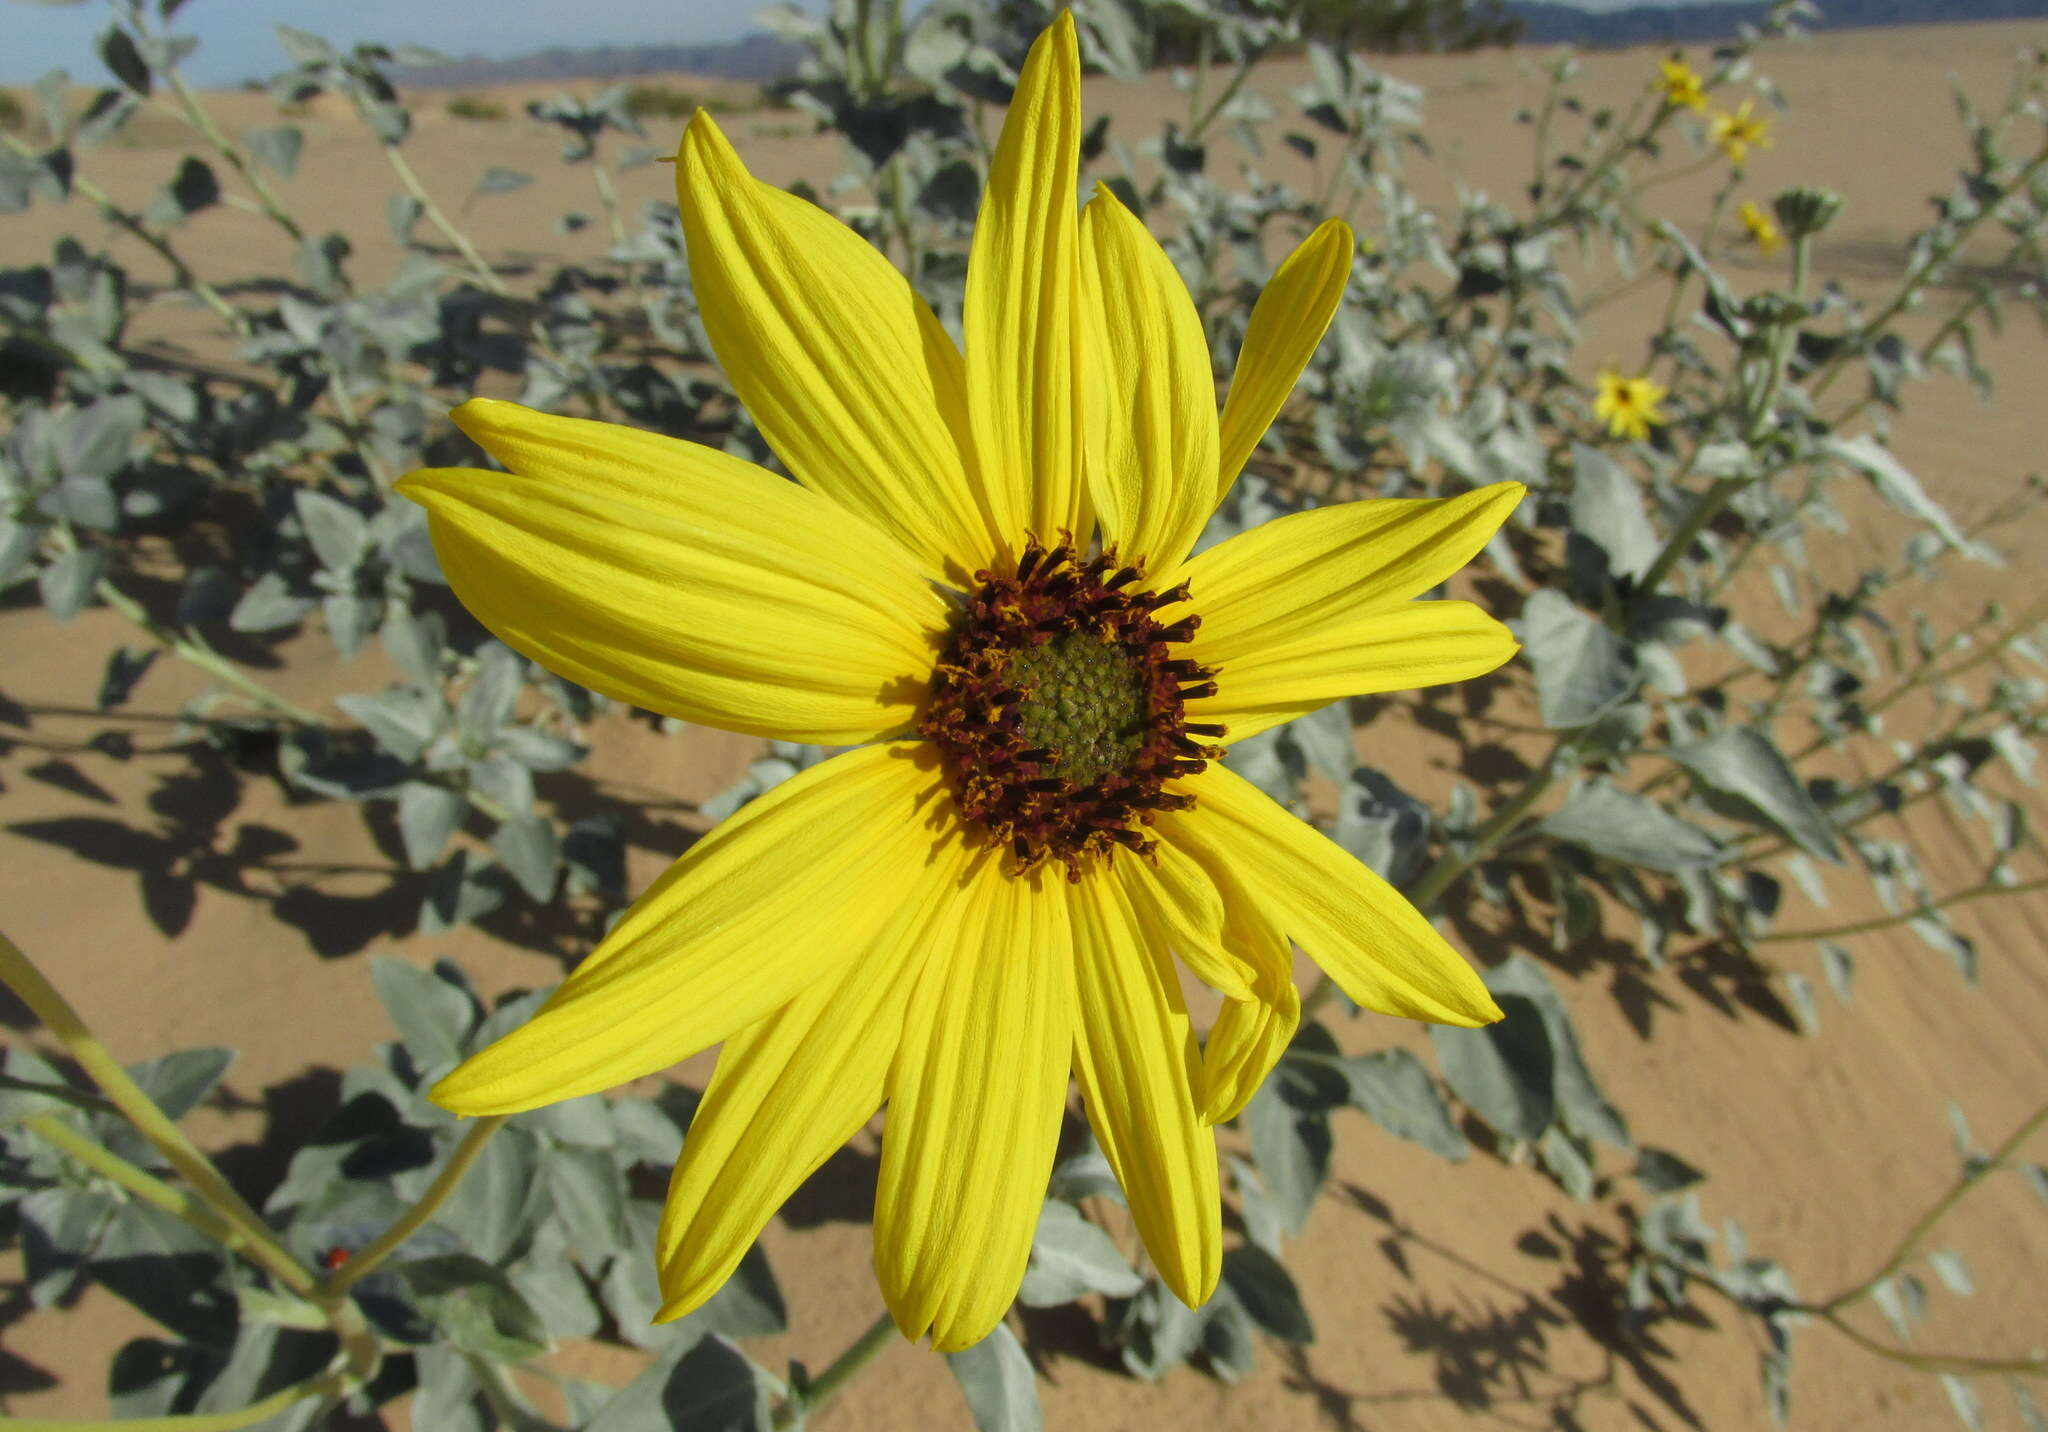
[(1371, 941), (1343, 654), (841, 364), (1151, 402), (1136, 1060), (1289, 320), (975, 1100), (788, 1091), (1178, 897), (677, 578), (1250, 1034), (1023, 311), (1279, 582), (777, 898)]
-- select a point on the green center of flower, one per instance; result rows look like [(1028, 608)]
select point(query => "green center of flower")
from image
[(1060, 708), (1084, 696)]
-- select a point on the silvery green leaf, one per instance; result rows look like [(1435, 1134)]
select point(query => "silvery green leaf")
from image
[(67, 583), (1886, 1295), (2015, 750), (268, 605), (449, 1394), (590, 1200), (1582, 668), (1395, 1090), (1742, 765), (168, 1271), (348, 618), (1902, 490), (2037, 1176), (1953, 1272), (1566, 1162), (117, 48), (555, 1290), (1963, 1398), (1607, 509), (402, 719), (499, 180), (458, 895), (500, 778), (1504, 1072), (538, 750), (1959, 1128), (531, 851), (2023, 1403), (1777, 1375), (1622, 826), (1661, 1171), (1913, 1297), (474, 1306), (1291, 1150), (414, 642), (494, 1207), (646, 1133), (748, 1305), (337, 532), (487, 704), (583, 1122), (997, 1380), (1071, 1257), (1800, 989), (1840, 969), (278, 148), (1938, 934), (1382, 824), (1580, 1104), (1159, 1332), (427, 815), (432, 1016), (698, 1385), (1227, 1340), (1267, 1293), (402, 212)]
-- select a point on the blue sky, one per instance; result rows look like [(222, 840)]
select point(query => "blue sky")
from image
[(238, 39)]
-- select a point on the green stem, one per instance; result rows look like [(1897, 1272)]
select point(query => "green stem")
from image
[(327, 1384), (1957, 1364), (1865, 927), (1910, 1243), (19, 973), (143, 1184), (206, 659), (411, 180), (880, 1333), (335, 1285), (249, 174)]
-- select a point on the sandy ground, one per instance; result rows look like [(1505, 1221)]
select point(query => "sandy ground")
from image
[(177, 909)]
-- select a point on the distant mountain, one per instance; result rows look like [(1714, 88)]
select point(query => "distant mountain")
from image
[(763, 57), (751, 57), (1550, 24)]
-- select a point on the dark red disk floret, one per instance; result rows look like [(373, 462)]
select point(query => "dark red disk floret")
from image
[(1059, 706)]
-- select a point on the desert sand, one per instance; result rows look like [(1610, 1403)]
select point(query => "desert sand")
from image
[(178, 910)]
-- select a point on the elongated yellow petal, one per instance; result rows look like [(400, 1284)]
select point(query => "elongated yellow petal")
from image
[(1251, 1033), (1293, 312), (1178, 897), (1281, 581), (1137, 1063), (1023, 303), (1151, 402), (975, 1100), (680, 579), (771, 902), (788, 1091), (1372, 942), (1341, 654), (840, 362)]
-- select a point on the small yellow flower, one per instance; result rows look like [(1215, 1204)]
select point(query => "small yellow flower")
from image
[(1735, 134), (1681, 85), (1628, 405), (1763, 229), (981, 581)]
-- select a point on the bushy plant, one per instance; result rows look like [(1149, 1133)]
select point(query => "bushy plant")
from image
[(1681, 752)]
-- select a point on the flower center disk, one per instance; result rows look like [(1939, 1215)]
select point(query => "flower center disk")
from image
[(1060, 707)]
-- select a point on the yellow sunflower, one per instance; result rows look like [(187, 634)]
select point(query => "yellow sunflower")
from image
[(1737, 132), (980, 580), (1628, 405), (1680, 85), (1763, 229)]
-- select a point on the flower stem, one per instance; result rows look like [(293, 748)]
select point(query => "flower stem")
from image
[(879, 1334), (335, 1285), (1865, 927), (411, 180), (327, 1384), (206, 659), (140, 1182), (258, 1243)]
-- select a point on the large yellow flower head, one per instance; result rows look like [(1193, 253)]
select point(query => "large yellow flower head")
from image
[(1680, 85), (1736, 133), (980, 581), (1628, 405)]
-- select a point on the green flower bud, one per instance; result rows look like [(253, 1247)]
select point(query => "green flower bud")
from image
[(1805, 212)]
